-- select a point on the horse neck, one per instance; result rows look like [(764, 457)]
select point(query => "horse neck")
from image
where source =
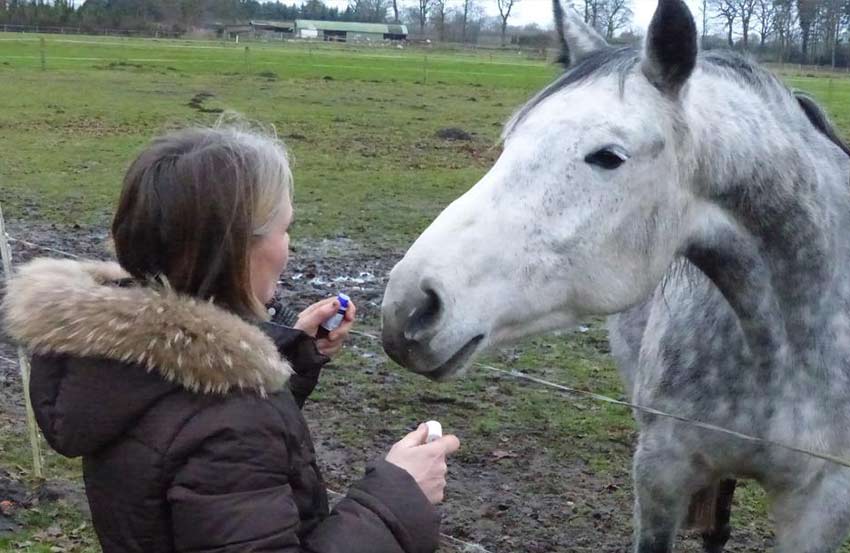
[(771, 241)]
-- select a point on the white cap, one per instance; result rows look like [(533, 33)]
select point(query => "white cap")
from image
[(435, 431)]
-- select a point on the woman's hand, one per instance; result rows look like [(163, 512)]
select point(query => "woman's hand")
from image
[(310, 319), (426, 463)]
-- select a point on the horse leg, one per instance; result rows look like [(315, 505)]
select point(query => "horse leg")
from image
[(814, 518), (714, 539), (665, 479)]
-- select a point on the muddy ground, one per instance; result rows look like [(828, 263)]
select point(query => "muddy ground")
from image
[(513, 498)]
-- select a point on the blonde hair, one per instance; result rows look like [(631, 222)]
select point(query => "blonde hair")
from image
[(193, 202)]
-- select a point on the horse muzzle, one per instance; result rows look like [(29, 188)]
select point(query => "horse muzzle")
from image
[(418, 331)]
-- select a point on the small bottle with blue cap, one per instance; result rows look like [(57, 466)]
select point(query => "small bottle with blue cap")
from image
[(333, 322)]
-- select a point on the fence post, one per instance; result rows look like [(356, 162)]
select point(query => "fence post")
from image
[(43, 58), (38, 472)]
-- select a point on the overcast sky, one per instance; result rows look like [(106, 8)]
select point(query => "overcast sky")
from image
[(540, 11)]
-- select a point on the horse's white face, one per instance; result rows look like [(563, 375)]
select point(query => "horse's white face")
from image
[(582, 214)]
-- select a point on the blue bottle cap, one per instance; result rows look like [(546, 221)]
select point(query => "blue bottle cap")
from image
[(343, 300)]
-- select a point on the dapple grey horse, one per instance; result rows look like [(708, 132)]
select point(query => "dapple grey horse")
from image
[(709, 206)]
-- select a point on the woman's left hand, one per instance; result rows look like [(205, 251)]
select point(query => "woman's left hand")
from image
[(310, 319)]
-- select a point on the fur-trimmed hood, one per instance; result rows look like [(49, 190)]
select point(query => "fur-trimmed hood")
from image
[(55, 307)]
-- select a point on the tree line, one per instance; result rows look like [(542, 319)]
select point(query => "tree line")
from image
[(172, 15), (457, 20), (798, 31)]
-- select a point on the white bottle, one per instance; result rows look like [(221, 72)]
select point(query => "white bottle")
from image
[(435, 431)]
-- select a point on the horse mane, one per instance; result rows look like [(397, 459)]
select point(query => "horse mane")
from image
[(819, 119), (745, 70)]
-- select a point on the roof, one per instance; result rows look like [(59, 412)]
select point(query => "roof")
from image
[(287, 25), (228, 26), (349, 26)]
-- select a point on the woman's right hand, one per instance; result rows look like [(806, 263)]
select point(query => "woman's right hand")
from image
[(426, 463)]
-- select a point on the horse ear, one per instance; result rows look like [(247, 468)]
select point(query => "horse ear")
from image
[(578, 39), (671, 46)]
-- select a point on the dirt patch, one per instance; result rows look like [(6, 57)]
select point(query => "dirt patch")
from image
[(14, 496), (17, 497), (268, 75), (121, 65), (453, 133), (198, 102), (78, 127)]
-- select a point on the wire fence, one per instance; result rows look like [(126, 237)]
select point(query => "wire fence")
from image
[(520, 375), (802, 70), (222, 35), (92, 31), (574, 392), (540, 51)]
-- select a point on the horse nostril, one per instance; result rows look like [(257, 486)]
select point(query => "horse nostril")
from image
[(424, 316)]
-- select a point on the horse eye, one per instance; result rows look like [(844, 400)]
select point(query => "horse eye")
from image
[(609, 157)]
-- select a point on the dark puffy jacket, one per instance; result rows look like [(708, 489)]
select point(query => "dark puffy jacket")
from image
[(188, 422)]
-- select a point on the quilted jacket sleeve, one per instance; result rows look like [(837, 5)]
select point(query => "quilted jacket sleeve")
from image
[(231, 492)]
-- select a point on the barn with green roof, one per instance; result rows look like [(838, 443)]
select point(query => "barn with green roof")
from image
[(346, 31)]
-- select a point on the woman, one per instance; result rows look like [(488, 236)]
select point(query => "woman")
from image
[(161, 372)]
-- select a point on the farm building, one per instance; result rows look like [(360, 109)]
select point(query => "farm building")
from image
[(273, 27), (254, 29), (345, 31), (231, 31), (339, 31)]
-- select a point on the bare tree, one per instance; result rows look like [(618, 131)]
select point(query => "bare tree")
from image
[(807, 11), (746, 9), (591, 13), (439, 17), (607, 16), (727, 10), (395, 11), (467, 6), (766, 16), (423, 8), (835, 17), (505, 7), (614, 15), (704, 22), (786, 26)]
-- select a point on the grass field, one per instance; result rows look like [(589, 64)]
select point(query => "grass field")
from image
[(369, 166), (360, 124)]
